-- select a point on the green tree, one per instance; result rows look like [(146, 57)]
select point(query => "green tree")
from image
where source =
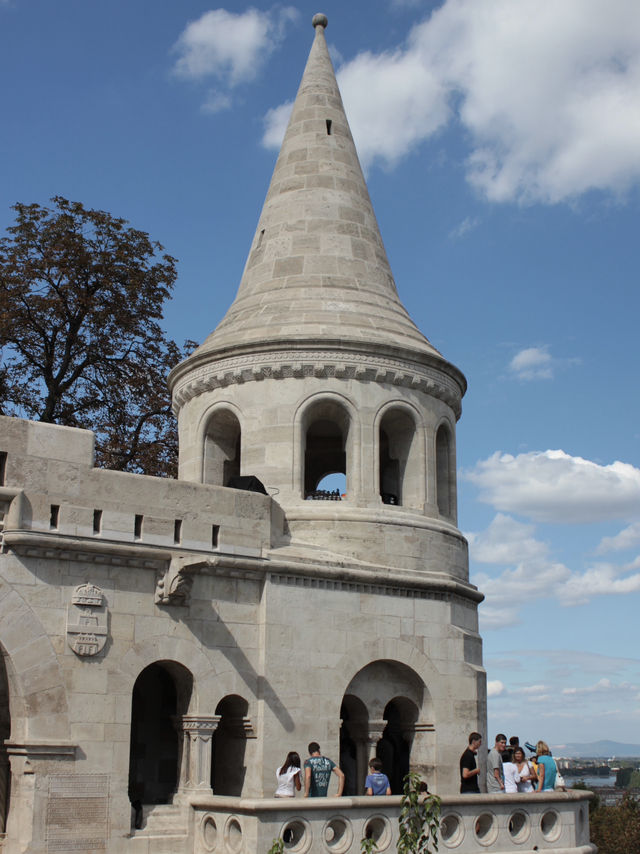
[(419, 820), (617, 828), (81, 301)]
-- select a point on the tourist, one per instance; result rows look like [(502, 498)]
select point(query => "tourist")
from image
[(469, 770), (510, 772), (317, 773), (495, 774), (547, 769), (526, 776), (288, 776), (377, 783)]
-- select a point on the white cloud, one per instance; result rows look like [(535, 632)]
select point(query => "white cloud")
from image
[(548, 95), (228, 47), (533, 689), (626, 539), (532, 573), (533, 363), (394, 101), (275, 124), (506, 541), (468, 224), (552, 486), (495, 688)]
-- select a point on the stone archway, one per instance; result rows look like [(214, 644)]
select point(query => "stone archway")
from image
[(380, 713), (354, 743), (228, 748), (160, 699)]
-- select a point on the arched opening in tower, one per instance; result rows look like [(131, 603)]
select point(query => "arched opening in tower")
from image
[(228, 747), (354, 744), (380, 711), (5, 734), (394, 748), (161, 695), (400, 469), (325, 451), (222, 446), (444, 474)]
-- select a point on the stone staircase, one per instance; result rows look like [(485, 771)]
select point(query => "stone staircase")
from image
[(164, 830)]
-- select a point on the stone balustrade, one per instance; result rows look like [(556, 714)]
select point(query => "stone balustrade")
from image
[(496, 824)]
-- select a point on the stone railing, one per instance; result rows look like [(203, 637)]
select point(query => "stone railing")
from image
[(495, 824)]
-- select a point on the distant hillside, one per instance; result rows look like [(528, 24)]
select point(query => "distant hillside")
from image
[(595, 749)]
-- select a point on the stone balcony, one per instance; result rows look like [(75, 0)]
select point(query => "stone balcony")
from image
[(496, 824)]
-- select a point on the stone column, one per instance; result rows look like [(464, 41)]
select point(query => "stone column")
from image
[(195, 767), (376, 728)]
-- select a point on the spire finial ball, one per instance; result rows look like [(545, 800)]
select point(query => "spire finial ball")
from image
[(320, 20)]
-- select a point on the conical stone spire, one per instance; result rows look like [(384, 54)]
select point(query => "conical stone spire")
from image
[(317, 272)]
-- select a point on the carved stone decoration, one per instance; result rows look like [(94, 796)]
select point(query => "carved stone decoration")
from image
[(87, 620), (174, 586), (195, 768)]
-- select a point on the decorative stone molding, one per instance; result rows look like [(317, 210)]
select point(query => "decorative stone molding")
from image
[(287, 364), (62, 547), (87, 621)]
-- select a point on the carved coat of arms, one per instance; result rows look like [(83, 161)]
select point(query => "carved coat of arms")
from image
[(87, 620)]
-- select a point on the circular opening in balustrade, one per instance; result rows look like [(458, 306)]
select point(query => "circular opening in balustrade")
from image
[(519, 827), (377, 827), (486, 828), (233, 834), (209, 832), (550, 826), (451, 830), (296, 835), (338, 834)]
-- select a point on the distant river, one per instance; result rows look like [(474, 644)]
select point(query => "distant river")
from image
[(592, 782)]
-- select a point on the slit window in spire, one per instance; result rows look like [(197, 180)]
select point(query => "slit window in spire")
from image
[(328, 127)]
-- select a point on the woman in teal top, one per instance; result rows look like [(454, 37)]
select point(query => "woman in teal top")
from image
[(547, 769)]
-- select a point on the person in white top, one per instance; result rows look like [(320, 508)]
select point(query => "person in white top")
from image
[(288, 776), (526, 776), (510, 772)]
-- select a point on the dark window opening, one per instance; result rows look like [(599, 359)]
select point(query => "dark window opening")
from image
[(3, 467), (177, 531), (228, 747), (54, 516), (329, 127), (137, 527), (443, 472), (401, 472), (215, 533), (161, 696), (97, 521), (222, 448), (325, 447)]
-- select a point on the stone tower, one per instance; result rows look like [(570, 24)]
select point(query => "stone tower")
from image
[(368, 622), (164, 643)]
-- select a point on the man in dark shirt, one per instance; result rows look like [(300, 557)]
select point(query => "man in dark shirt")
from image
[(317, 773), (468, 768)]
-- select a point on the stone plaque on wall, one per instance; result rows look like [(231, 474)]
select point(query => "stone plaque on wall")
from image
[(77, 813)]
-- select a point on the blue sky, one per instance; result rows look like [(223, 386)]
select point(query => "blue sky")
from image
[(501, 142)]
